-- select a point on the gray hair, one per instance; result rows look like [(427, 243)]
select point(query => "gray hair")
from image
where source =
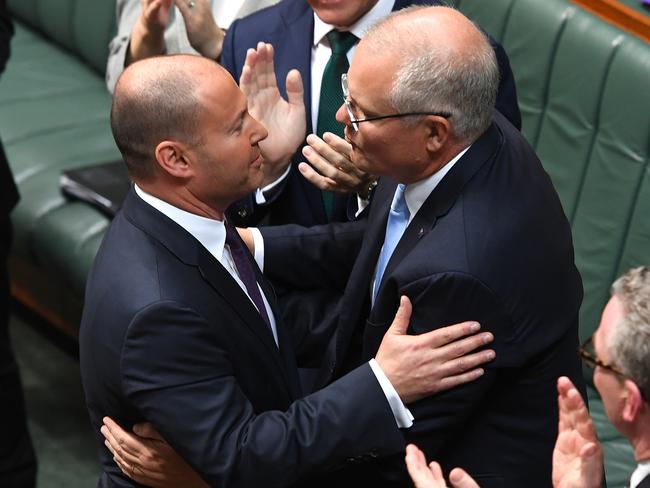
[(436, 77), (629, 343)]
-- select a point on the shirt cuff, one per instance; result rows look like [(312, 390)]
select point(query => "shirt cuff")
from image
[(258, 242), (402, 415), (260, 197)]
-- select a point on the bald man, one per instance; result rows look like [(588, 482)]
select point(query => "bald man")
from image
[(179, 327)]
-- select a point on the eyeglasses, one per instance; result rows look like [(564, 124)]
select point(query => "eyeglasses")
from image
[(588, 355), (351, 108)]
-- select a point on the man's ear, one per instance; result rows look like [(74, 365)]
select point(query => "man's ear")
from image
[(633, 401), (174, 159), (438, 132)]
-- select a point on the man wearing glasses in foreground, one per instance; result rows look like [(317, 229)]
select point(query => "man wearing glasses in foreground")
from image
[(619, 352)]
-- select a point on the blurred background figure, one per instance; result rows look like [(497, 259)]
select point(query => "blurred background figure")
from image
[(17, 458), (152, 27)]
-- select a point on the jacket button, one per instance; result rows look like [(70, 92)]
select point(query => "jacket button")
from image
[(242, 212)]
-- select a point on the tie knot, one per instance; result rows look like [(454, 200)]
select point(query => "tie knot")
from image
[(341, 41)]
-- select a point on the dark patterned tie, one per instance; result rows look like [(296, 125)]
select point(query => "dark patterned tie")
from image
[(331, 95), (245, 269)]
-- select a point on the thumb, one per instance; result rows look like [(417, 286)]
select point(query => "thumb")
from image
[(147, 431), (295, 89), (402, 317)]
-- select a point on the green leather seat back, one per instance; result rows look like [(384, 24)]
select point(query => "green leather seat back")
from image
[(83, 27), (584, 94)]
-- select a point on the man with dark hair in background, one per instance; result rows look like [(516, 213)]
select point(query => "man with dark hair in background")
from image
[(17, 458)]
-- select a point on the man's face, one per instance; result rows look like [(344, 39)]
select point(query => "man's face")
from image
[(609, 384), (387, 147), (227, 162), (341, 13)]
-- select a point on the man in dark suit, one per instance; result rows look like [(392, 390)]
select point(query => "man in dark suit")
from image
[(17, 458), (475, 229), (179, 328), (298, 31)]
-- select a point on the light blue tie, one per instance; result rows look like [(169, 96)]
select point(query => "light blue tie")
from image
[(397, 221)]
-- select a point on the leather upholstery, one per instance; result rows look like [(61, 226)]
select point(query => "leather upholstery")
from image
[(584, 99), (54, 115)]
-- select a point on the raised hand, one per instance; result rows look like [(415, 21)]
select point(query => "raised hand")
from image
[(577, 457), (284, 119), (331, 168), (430, 476), (202, 31), (148, 35), (145, 457), (421, 365)]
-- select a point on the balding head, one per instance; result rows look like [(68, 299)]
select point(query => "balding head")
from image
[(156, 99), (445, 63)]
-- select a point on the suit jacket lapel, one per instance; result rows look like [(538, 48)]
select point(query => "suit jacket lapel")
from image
[(445, 195), (187, 249)]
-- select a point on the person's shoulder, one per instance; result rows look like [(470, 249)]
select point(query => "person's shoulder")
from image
[(284, 12)]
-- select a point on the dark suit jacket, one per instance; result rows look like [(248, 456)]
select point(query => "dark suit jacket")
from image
[(289, 26), (491, 243), (169, 337), (8, 191)]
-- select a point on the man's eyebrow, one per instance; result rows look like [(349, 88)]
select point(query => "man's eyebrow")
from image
[(239, 118)]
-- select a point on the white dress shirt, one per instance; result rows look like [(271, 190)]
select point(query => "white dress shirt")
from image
[(642, 470), (212, 235), (321, 50)]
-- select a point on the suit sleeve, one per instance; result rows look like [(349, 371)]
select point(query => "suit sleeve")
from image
[(438, 301), (312, 257), (176, 373)]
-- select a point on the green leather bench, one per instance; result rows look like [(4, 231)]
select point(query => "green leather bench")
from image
[(54, 115), (584, 95)]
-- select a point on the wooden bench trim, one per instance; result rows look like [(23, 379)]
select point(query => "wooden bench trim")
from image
[(620, 15)]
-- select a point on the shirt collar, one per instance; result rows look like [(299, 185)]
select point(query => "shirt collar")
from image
[(209, 232), (380, 10), (416, 193), (642, 470)]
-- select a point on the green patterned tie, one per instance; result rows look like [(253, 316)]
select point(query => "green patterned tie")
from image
[(331, 95)]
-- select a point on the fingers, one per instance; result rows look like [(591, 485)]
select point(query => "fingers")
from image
[(147, 431), (422, 475), (295, 89), (120, 443), (402, 317), (332, 169), (248, 80), (463, 346), (460, 479), (450, 382), (446, 335)]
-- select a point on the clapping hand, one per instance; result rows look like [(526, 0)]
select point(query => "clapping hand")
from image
[(331, 168), (202, 31), (284, 119), (430, 476), (577, 457)]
